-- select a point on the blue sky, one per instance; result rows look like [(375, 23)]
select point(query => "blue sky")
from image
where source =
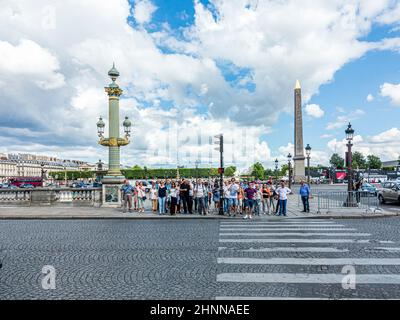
[(200, 68)]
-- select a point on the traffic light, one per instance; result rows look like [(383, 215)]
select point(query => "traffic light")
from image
[(220, 142)]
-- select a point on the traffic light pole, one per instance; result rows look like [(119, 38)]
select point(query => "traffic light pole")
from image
[(221, 176)]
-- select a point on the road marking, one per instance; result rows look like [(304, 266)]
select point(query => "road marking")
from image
[(313, 261), (324, 278), (292, 298), (276, 223), (292, 249), (388, 249), (386, 241), (281, 225), (287, 229), (296, 234), (294, 240)]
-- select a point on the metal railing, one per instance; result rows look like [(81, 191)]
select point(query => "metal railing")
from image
[(347, 200)]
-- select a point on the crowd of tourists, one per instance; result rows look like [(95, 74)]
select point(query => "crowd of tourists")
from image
[(188, 196)]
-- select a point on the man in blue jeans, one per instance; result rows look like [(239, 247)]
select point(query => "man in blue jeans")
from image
[(282, 193), (305, 196)]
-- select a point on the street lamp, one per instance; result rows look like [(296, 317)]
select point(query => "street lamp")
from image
[(127, 127), (276, 170), (114, 142), (197, 168), (308, 153), (290, 171), (349, 137), (65, 175), (100, 127)]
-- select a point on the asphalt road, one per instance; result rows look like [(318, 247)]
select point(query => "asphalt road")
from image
[(200, 259)]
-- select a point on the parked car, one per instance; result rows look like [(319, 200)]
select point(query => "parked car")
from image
[(370, 189), (8, 186), (390, 191), (97, 185), (26, 186)]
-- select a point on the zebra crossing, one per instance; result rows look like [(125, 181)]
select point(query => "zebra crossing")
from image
[(304, 259)]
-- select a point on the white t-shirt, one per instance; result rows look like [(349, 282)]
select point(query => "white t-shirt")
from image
[(153, 194), (199, 191), (283, 192), (233, 190), (172, 192)]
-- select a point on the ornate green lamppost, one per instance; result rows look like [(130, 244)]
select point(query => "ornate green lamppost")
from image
[(114, 178)]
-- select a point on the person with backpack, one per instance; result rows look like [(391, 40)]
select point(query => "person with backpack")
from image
[(199, 194)]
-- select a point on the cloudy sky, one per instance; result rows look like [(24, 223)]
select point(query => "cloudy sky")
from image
[(193, 69)]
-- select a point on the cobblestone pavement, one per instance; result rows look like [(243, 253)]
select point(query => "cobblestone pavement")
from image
[(200, 259)]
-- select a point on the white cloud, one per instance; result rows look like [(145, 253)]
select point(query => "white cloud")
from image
[(391, 91), (30, 60), (314, 110), (386, 145), (390, 15), (342, 120), (143, 11), (370, 98), (387, 136)]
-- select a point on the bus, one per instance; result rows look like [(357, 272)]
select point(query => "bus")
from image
[(18, 181)]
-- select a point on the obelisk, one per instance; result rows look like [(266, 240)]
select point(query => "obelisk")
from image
[(299, 168)]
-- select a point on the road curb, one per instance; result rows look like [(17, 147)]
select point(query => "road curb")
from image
[(107, 218), (85, 217)]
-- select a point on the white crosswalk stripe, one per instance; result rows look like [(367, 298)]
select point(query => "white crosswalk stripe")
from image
[(263, 248)]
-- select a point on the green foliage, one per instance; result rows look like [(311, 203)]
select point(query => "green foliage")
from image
[(358, 160), (284, 170), (169, 173), (136, 167), (72, 175), (337, 161), (374, 162), (258, 171), (230, 171)]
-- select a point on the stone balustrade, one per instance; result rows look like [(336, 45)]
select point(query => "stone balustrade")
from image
[(68, 197)]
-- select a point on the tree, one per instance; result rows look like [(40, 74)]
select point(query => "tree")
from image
[(374, 162), (136, 167), (337, 161), (258, 171), (358, 160), (230, 171), (284, 169)]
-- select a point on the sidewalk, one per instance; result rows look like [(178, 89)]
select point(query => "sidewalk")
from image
[(293, 211)]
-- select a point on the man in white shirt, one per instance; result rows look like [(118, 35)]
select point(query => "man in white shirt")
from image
[(199, 194), (232, 193), (282, 192)]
